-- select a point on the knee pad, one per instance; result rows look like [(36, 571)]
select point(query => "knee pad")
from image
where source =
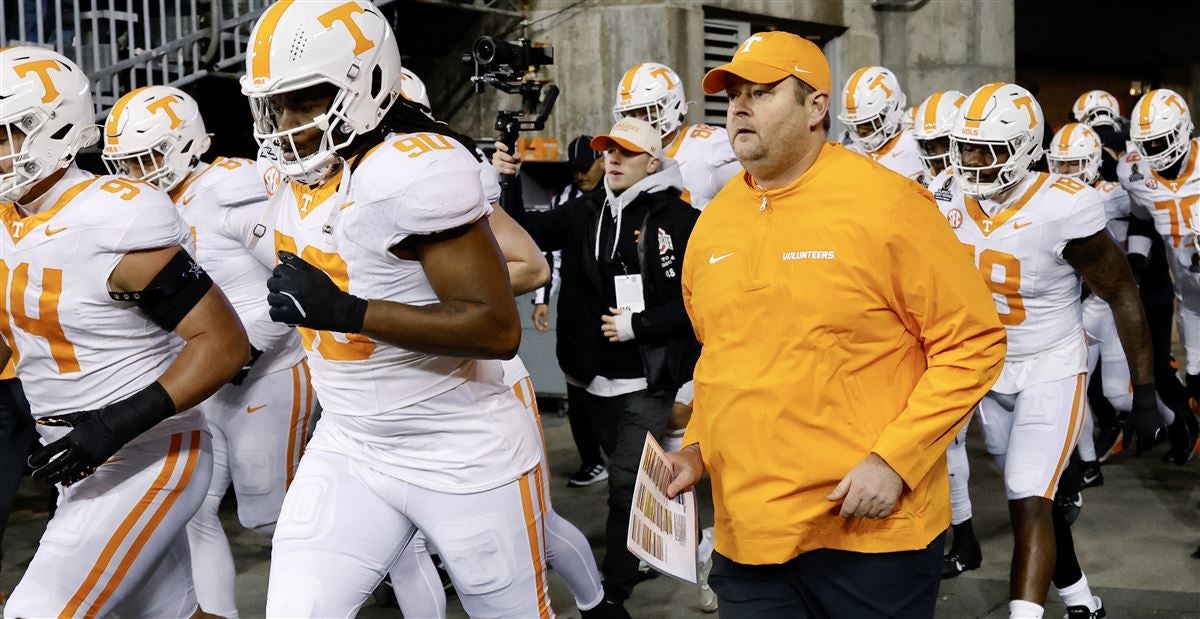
[(1027, 473), (478, 555)]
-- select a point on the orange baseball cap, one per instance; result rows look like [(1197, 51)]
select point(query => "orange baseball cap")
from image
[(767, 57), (632, 134)]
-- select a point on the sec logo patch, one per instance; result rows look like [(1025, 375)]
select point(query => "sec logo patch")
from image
[(955, 217)]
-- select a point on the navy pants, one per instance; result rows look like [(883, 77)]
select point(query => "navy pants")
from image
[(831, 584)]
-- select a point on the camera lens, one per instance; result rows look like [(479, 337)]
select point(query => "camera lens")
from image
[(485, 50)]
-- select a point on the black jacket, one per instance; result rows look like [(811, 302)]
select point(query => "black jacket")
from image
[(664, 340)]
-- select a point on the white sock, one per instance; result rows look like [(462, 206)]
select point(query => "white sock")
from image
[(1021, 609), (1078, 594)]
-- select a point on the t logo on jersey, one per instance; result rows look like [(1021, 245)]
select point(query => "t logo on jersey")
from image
[(345, 14), (987, 226), (42, 68), (164, 104)]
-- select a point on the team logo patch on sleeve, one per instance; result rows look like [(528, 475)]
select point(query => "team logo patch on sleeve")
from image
[(944, 194), (955, 217), (665, 244)]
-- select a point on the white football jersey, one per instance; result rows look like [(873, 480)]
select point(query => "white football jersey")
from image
[(1170, 203), (1117, 209), (1018, 248), (900, 156), (76, 349), (446, 423), (706, 161), (219, 200)]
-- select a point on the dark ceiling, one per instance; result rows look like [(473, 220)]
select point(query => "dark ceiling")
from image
[(1135, 37)]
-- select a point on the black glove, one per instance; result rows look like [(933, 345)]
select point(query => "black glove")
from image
[(301, 294), (98, 434), (1144, 421), (240, 377)]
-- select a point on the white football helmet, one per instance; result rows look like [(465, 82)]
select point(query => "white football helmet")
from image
[(872, 99), (413, 89), (1096, 107), (46, 103), (1075, 151), (656, 91), (347, 46), (909, 119), (1161, 128), (932, 121), (154, 134), (1006, 120)]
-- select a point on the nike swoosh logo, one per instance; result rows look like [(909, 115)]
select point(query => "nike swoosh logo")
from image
[(1018, 226), (188, 200), (255, 409), (51, 231), (715, 259), (799, 70)]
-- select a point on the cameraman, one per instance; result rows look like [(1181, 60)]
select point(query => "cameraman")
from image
[(622, 247)]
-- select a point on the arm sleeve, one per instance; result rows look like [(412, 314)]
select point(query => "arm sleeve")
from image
[(240, 222), (936, 291), (671, 319), (149, 223), (1084, 218), (435, 202), (1141, 235), (696, 427)]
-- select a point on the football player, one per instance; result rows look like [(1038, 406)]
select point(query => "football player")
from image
[(117, 335), (388, 265), (1034, 236), (1165, 187), (414, 577), (259, 420), (873, 111), (933, 120), (654, 92)]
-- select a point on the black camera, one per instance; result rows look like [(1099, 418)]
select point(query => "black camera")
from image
[(493, 54), (511, 67)]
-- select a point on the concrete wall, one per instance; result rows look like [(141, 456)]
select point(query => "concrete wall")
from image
[(944, 44)]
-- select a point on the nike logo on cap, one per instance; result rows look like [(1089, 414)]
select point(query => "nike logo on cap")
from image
[(799, 70), (713, 259)]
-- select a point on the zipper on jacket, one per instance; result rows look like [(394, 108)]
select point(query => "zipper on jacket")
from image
[(756, 262)]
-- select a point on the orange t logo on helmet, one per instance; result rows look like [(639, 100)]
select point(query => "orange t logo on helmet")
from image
[(42, 68), (164, 104), (345, 14)]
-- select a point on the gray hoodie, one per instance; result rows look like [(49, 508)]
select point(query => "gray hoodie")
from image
[(666, 178)]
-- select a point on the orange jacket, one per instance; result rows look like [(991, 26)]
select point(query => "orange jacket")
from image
[(839, 316)]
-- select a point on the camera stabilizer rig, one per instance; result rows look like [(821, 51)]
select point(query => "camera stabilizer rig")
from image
[(511, 67)]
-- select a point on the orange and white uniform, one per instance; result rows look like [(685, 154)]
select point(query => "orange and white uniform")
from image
[(117, 542), (1034, 413), (406, 440), (900, 156), (706, 161), (1172, 204), (260, 426)]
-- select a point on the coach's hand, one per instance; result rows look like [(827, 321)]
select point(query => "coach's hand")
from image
[(301, 294), (505, 162), (687, 467), (869, 490)]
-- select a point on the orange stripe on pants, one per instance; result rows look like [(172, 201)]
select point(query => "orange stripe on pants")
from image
[(148, 530), (532, 522), (292, 426), (1072, 435), (126, 526)]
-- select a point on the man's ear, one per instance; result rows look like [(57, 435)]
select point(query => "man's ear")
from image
[(818, 108), (654, 166)]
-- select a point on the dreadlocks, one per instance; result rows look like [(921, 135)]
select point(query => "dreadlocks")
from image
[(409, 117)]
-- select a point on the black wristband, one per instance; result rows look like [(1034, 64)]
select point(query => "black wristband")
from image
[(353, 311), (139, 412), (1145, 397)]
